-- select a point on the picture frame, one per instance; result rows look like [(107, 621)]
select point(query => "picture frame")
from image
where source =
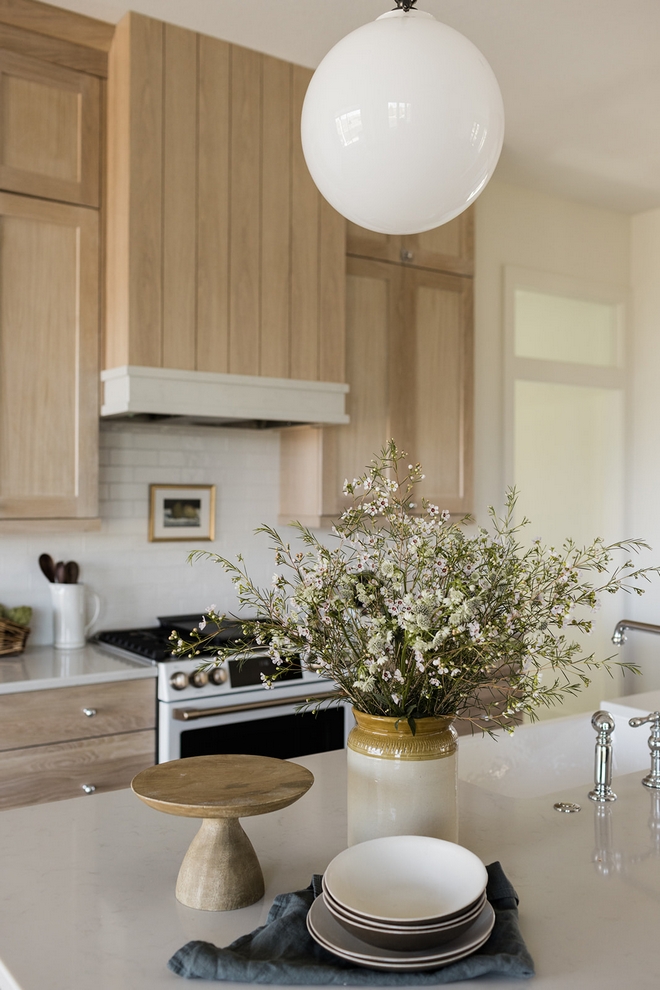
[(181, 513)]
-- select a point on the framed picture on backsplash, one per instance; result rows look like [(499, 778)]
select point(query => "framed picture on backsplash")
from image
[(181, 512)]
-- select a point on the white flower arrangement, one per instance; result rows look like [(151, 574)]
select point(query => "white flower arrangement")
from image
[(414, 616)]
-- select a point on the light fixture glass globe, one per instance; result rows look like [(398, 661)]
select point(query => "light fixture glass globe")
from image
[(402, 124)]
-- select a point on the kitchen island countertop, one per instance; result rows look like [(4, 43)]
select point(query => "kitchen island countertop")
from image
[(87, 885), (45, 667)]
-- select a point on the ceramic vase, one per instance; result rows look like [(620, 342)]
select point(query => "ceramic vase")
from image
[(400, 783)]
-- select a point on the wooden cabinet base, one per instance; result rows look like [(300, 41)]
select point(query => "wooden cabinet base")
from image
[(52, 773), (37, 718)]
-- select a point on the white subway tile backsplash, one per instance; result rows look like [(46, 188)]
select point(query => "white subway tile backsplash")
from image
[(116, 509), (174, 458), (125, 492), (138, 580), (129, 456), (158, 475)]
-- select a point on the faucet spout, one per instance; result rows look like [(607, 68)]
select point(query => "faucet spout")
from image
[(619, 634)]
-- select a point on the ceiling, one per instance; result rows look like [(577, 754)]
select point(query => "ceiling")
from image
[(580, 80)]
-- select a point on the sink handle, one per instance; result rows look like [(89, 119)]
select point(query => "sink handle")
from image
[(653, 778)]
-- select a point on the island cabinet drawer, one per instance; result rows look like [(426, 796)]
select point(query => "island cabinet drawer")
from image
[(34, 718), (38, 774)]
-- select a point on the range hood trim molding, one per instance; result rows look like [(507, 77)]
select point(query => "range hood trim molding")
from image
[(133, 390)]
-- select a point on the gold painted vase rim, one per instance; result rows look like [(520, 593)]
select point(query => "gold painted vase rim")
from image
[(396, 725)]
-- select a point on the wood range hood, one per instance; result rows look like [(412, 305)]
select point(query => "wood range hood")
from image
[(224, 267)]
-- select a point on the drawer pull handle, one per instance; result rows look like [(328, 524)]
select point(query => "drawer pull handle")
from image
[(89, 712), (88, 788)]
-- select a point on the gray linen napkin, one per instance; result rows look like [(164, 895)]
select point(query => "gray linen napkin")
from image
[(283, 951)]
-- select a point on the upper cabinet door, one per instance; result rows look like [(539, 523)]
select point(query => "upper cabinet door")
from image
[(48, 359), (431, 385), (49, 130), (449, 248)]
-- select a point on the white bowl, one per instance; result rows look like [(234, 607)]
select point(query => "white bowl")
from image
[(406, 937), (406, 879), (341, 914), (447, 921)]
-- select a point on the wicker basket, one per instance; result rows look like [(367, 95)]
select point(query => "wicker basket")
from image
[(12, 637)]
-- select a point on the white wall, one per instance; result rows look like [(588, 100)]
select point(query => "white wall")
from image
[(138, 580), (523, 228)]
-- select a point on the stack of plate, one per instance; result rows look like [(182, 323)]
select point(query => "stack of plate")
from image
[(403, 902)]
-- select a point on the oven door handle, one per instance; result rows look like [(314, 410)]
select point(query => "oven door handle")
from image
[(190, 714)]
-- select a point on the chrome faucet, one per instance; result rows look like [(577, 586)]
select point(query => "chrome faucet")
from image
[(619, 634), (653, 778)]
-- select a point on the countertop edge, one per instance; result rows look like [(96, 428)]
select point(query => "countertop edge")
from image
[(76, 680)]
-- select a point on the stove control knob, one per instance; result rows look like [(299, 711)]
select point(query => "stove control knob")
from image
[(198, 678), (179, 681), (218, 675)]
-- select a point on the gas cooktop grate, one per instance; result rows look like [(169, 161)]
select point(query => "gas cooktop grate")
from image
[(153, 642)]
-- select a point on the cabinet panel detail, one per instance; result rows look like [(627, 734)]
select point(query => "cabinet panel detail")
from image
[(146, 191), (179, 197), (212, 207), (53, 50), (245, 225), (39, 262), (304, 247), (372, 318), (49, 146), (432, 386), (332, 296), (55, 23), (34, 718), (275, 341), (49, 131), (55, 772), (48, 359)]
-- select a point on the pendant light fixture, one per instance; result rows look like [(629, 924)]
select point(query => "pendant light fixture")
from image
[(403, 123)]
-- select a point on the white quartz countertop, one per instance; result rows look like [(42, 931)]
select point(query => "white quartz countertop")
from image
[(87, 885), (45, 667)]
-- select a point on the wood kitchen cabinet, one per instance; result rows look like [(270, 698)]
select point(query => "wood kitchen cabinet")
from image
[(49, 309), (52, 68), (62, 742), (221, 254), (49, 130), (409, 364)]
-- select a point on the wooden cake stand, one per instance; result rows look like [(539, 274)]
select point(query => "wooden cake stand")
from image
[(220, 871)]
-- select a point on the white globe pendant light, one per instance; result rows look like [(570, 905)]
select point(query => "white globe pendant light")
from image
[(403, 123)]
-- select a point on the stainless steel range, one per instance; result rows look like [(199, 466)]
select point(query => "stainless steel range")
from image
[(228, 709)]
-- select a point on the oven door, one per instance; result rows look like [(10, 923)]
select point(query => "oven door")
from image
[(264, 727)]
